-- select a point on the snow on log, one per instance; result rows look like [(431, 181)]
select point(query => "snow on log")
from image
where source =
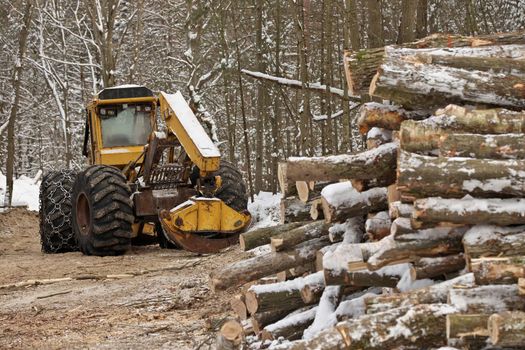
[(399, 209), (422, 176), (256, 238), (437, 293), (507, 329), (377, 163), (504, 146), (421, 326), (293, 210), (319, 256), (282, 295), (353, 308), (289, 239), (427, 244), (230, 336), (388, 117), (350, 231), (414, 79), (486, 299), (486, 240), (350, 256), (262, 319), (340, 201), (377, 137), (498, 270), (325, 313), (388, 276), (291, 327), (377, 226), (436, 267), (248, 270), (469, 211)]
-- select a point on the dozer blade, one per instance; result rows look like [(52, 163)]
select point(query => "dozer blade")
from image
[(204, 225)]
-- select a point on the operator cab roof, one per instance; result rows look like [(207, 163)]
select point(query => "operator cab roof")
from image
[(124, 91)]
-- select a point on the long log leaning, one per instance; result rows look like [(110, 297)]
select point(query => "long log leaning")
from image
[(289, 239), (507, 329), (339, 205), (248, 270), (422, 176), (487, 240), (469, 211), (486, 299), (506, 146), (367, 165), (256, 238), (498, 270)]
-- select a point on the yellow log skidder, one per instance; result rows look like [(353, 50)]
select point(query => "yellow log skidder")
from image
[(142, 180)]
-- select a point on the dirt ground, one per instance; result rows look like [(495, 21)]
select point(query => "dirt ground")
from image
[(158, 298)]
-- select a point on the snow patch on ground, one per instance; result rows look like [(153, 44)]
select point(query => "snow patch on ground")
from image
[(265, 210), (25, 192)]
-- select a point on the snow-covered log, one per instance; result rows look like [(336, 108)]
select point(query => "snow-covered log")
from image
[(399, 209), (438, 266), (350, 231), (486, 240), (340, 201), (437, 293), (377, 137), (377, 226), (291, 327), (262, 319), (294, 210), (252, 239), (319, 256), (325, 313), (289, 239), (427, 244), (388, 117), (469, 211), (498, 270), (505, 146), (230, 336), (422, 176), (428, 78), (353, 308), (507, 329), (350, 256), (244, 271), (377, 163), (387, 276), (486, 299)]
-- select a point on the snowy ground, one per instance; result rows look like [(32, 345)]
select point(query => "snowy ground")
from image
[(25, 191)]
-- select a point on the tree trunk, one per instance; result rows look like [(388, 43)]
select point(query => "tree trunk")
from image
[(422, 19), (230, 336), (252, 239), (341, 206), (377, 226), (291, 327), (453, 82), (289, 239), (367, 165), (375, 24), (486, 299), (469, 211), (485, 240), (506, 146), (433, 294), (436, 267), (244, 271), (498, 270), (507, 329), (422, 176), (293, 210), (407, 27)]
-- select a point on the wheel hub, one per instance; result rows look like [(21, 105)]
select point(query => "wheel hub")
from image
[(83, 214)]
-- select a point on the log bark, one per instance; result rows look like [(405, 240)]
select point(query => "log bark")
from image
[(230, 336), (238, 306), (459, 325), (399, 209), (377, 226), (437, 293), (506, 146), (504, 270), (340, 205), (452, 83), (244, 271), (487, 299), (507, 329), (395, 251), (469, 211), (436, 267), (293, 210), (388, 117), (291, 327), (252, 239), (485, 240), (423, 327), (422, 176), (316, 209), (295, 272), (289, 239), (387, 276), (262, 319), (366, 165)]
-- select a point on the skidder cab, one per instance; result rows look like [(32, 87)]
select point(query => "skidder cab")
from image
[(143, 178)]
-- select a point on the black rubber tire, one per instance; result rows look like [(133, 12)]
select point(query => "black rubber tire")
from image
[(102, 211), (56, 232), (233, 188)]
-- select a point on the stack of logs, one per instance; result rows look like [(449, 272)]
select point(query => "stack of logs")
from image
[(418, 241)]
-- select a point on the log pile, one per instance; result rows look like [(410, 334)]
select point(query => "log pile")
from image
[(417, 241)]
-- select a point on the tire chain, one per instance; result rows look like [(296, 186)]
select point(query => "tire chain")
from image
[(59, 235)]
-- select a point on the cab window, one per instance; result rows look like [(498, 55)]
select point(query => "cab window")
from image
[(125, 125)]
